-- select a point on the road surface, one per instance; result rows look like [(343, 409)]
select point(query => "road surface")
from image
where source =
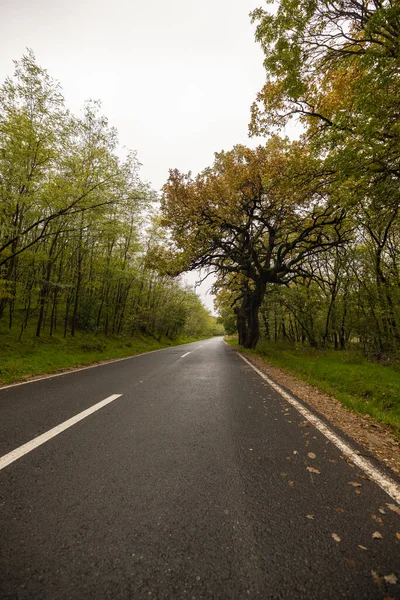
[(196, 480)]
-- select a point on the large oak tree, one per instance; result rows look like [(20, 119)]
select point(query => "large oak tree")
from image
[(259, 214)]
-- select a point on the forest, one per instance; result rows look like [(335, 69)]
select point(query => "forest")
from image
[(302, 233), (76, 228)]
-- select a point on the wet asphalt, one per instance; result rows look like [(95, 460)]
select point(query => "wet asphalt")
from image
[(194, 484)]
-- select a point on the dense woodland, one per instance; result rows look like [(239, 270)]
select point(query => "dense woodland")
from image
[(76, 224), (304, 235)]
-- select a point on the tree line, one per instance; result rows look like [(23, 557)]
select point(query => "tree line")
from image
[(76, 224), (303, 236)]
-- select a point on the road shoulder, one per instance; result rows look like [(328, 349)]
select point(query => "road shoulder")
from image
[(377, 439)]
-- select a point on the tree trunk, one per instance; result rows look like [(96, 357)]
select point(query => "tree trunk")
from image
[(253, 323)]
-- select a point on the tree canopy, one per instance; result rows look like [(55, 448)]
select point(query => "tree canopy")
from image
[(75, 223), (304, 234)]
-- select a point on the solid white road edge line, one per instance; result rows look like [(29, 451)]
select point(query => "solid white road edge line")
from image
[(9, 458), (102, 364), (385, 482), (183, 355)]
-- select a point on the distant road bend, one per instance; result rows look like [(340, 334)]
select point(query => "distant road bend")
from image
[(181, 474)]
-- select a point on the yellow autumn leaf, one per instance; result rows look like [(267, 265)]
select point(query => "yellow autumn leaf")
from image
[(312, 470)]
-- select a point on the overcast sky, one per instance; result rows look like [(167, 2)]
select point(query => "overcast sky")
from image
[(176, 77)]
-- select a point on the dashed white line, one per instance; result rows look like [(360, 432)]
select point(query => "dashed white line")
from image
[(9, 458), (183, 355), (96, 366), (385, 482)]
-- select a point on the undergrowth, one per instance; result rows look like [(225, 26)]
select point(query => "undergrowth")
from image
[(363, 386)]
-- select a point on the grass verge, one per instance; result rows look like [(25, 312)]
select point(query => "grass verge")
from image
[(361, 385), (21, 360)]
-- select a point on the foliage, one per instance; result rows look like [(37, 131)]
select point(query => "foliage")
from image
[(255, 217), (334, 67), (74, 224)]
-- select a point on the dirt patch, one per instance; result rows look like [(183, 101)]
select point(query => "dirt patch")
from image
[(377, 439)]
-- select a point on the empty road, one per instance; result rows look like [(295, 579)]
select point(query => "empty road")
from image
[(194, 479)]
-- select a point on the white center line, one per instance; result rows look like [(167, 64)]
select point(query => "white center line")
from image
[(9, 458), (183, 355)]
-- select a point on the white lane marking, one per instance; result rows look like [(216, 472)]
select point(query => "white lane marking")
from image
[(183, 355), (9, 458), (101, 364), (385, 482)]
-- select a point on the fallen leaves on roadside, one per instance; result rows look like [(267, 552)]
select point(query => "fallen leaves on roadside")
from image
[(377, 519), (284, 474), (312, 470), (291, 483), (394, 508), (294, 451), (362, 547), (311, 517), (382, 511), (341, 510), (377, 579), (390, 578), (311, 455), (377, 536), (336, 537), (355, 483), (398, 536)]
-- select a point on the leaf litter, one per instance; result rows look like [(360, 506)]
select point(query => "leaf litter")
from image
[(312, 470)]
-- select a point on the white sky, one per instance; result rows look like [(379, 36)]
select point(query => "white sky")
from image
[(176, 77)]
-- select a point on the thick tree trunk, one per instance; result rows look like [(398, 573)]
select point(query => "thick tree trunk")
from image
[(254, 302), (253, 329)]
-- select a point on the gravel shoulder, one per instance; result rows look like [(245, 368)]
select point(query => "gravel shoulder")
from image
[(377, 439)]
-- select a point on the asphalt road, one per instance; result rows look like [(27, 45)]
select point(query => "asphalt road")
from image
[(193, 484)]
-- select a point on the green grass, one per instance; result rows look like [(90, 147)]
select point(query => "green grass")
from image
[(21, 360), (365, 387)]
